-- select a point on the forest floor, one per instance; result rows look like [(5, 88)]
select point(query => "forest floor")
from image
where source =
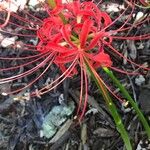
[(22, 119)]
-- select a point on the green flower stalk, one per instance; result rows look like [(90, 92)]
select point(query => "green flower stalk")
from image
[(130, 100)]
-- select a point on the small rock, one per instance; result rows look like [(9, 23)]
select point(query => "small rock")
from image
[(55, 118), (8, 41), (34, 2), (13, 5), (139, 15), (139, 80)]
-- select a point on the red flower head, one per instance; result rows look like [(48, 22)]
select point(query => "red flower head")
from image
[(80, 36), (73, 33)]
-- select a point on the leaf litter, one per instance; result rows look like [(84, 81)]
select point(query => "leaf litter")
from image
[(21, 121)]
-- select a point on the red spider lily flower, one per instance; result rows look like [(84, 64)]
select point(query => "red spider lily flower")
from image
[(72, 32)]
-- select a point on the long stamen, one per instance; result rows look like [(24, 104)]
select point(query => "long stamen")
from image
[(86, 93), (17, 34), (125, 72), (6, 20), (140, 37), (26, 12), (15, 24), (12, 78), (32, 82), (21, 58), (81, 87), (63, 76), (23, 65), (113, 22), (140, 66), (129, 17), (20, 18), (133, 25)]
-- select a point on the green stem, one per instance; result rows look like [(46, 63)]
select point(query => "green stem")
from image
[(52, 4), (129, 98), (74, 38), (111, 106)]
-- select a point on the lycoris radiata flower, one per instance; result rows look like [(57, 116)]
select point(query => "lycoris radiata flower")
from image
[(69, 34)]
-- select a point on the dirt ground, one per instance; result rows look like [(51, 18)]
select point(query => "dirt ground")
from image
[(22, 118)]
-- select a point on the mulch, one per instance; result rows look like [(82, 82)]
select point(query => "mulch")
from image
[(21, 118)]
